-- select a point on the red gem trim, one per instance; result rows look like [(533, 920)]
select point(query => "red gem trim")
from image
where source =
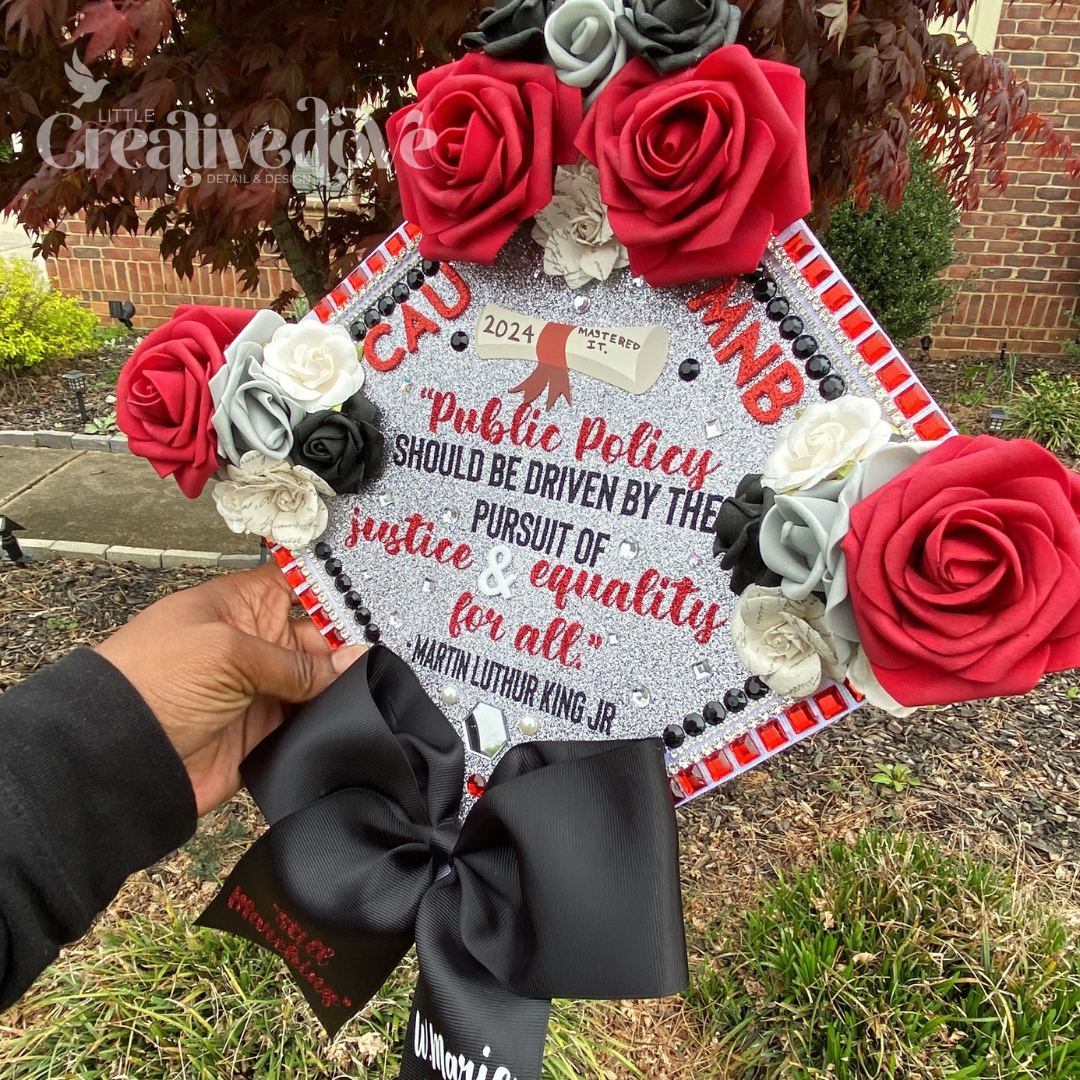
[(932, 427), (413, 231), (836, 296), (357, 279), (690, 780), (744, 750), (718, 765), (830, 701), (893, 375), (323, 311), (772, 735), (395, 246), (801, 717), (375, 262), (856, 322), (874, 347), (799, 246), (816, 272), (912, 400)]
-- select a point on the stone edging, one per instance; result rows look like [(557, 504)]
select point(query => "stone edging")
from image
[(65, 440), (155, 558)]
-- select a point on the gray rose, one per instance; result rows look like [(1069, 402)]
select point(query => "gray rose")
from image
[(677, 34), (513, 28), (252, 411)]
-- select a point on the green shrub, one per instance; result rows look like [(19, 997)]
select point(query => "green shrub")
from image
[(894, 257), (892, 958), (1048, 412), (36, 322)]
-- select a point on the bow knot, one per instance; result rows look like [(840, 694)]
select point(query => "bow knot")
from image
[(570, 855)]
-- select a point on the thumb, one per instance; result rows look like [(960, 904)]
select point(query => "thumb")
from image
[(292, 675)]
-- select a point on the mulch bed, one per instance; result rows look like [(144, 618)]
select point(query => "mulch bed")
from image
[(38, 399)]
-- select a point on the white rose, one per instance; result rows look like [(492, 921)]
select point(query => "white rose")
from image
[(273, 498), (584, 44), (574, 231), (316, 365), (831, 436), (786, 642)]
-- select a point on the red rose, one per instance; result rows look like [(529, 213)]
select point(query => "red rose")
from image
[(964, 572), (499, 128), (698, 169), (163, 401)]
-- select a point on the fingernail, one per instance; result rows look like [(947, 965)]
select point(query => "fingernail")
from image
[(343, 659)]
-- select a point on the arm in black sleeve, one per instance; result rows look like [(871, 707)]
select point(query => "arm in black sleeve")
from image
[(91, 790)]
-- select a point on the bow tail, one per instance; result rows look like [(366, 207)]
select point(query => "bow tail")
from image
[(337, 972), (555, 380), (463, 1014)]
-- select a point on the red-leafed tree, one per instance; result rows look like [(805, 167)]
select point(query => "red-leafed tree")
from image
[(876, 76)]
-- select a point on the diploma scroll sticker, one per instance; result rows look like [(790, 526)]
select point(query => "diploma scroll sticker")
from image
[(629, 357)]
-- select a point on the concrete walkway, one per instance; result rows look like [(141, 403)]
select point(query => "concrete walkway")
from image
[(112, 499)]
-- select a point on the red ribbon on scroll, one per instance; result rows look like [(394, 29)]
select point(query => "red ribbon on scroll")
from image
[(551, 370)]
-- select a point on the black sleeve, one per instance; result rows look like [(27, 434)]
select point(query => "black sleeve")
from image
[(91, 790)]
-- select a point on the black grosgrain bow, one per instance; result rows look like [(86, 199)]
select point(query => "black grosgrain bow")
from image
[(562, 881)]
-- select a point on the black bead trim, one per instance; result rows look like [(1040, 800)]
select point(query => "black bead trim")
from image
[(735, 700), (323, 550), (674, 736)]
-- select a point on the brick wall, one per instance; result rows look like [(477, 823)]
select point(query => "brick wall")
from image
[(99, 269), (1019, 253)]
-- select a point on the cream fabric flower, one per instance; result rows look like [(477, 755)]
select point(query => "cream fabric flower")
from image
[(584, 44), (273, 498), (829, 438), (316, 365), (861, 675), (573, 229), (786, 642)]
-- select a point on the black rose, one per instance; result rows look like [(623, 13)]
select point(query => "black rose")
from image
[(344, 448), (677, 34), (737, 527), (513, 28)]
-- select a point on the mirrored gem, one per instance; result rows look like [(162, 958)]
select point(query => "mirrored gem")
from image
[(485, 729), (702, 670), (385, 498), (693, 559), (640, 696), (714, 428), (396, 620), (628, 549), (428, 585), (451, 514), (612, 639)]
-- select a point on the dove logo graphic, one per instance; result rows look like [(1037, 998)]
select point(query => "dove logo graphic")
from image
[(81, 79)]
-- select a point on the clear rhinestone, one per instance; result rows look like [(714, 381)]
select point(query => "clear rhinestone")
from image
[(396, 620), (638, 282), (528, 725), (449, 694), (693, 559), (451, 514), (581, 303), (714, 428), (703, 670), (365, 575), (628, 549), (485, 729), (428, 584), (537, 274), (406, 385), (640, 696), (612, 639), (385, 498)]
